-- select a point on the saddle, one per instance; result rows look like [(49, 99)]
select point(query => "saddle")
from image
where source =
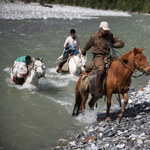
[(65, 67), (88, 82)]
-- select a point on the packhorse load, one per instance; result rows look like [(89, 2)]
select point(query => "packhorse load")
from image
[(27, 70)]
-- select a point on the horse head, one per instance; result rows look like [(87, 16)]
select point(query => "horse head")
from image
[(141, 63), (82, 61), (39, 67)]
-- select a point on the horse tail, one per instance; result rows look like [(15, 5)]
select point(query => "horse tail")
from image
[(78, 97)]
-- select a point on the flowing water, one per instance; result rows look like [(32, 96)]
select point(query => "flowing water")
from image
[(35, 118)]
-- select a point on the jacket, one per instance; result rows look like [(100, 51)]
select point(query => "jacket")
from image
[(99, 43)]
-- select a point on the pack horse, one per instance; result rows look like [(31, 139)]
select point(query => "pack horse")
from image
[(22, 73), (118, 80)]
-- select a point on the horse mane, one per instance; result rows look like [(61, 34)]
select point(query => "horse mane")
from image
[(126, 56)]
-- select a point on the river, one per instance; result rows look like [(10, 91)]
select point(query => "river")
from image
[(35, 118)]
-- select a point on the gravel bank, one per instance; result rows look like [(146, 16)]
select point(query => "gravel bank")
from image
[(132, 133), (19, 10)]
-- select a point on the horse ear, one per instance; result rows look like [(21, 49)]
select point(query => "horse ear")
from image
[(33, 59), (142, 49), (41, 59), (135, 50)]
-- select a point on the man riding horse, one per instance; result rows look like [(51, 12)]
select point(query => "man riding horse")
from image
[(72, 47), (99, 42)]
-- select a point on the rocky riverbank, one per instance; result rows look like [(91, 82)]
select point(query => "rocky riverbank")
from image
[(132, 133)]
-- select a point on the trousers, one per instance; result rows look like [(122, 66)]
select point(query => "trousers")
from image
[(64, 59), (100, 66)]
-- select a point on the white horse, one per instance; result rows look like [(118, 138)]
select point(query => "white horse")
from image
[(75, 64), (36, 70)]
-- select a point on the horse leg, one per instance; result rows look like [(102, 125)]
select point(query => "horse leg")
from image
[(125, 95), (92, 102), (84, 96), (109, 95)]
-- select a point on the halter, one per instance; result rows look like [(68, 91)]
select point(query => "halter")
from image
[(37, 66)]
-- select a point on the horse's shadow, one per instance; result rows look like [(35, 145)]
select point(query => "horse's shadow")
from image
[(130, 112)]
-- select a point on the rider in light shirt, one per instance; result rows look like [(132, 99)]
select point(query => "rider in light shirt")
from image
[(72, 47)]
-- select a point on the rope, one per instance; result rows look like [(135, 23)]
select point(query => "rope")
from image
[(65, 60)]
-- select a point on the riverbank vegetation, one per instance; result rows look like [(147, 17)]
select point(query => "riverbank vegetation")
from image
[(124, 5)]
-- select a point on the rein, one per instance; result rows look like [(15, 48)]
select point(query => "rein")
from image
[(114, 53)]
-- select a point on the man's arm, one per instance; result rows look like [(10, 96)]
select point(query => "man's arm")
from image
[(87, 46), (117, 42), (67, 40)]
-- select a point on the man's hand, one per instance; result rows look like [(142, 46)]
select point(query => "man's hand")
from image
[(83, 53), (111, 45)]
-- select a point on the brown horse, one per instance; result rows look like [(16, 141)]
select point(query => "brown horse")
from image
[(118, 81)]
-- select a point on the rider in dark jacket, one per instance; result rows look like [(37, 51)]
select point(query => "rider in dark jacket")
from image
[(99, 42)]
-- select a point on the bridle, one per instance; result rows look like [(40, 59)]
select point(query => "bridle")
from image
[(134, 63), (37, 66)]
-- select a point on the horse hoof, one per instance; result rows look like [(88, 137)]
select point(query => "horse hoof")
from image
[(120, 117), (92, 108), (83, 112), (108, 119)]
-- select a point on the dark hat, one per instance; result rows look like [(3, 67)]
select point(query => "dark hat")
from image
[(28, 59)]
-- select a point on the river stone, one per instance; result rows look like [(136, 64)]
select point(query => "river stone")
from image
[(62, 142), (100, 134), (89, 138), (139, 141), (127, 134), (73, 143), (120, 145), (101, 129), (112, 133), (107, 131), (147, 132)]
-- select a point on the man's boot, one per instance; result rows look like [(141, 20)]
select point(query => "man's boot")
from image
[(58, 70), (98, 91)]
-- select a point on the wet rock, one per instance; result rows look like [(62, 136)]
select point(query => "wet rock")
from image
[(132, 88), (62, 142), (89, 138), (58, 148)]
